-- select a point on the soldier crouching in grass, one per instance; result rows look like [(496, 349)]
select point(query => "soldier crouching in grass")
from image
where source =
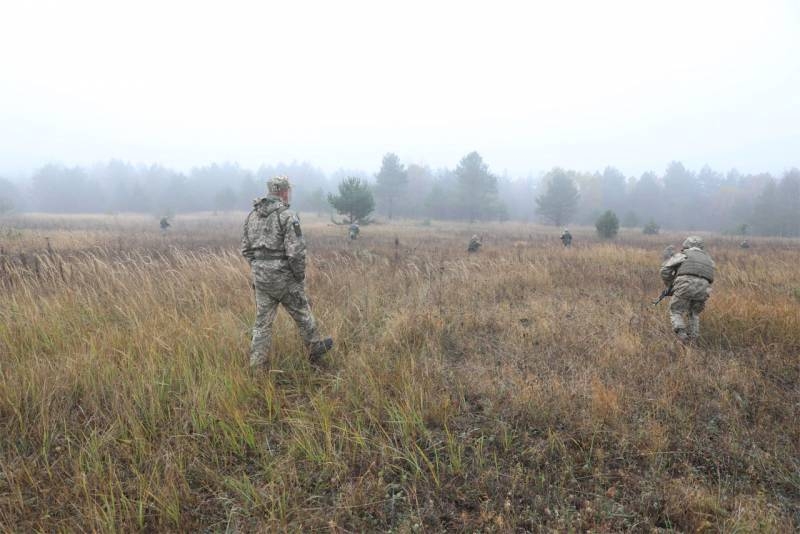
[(274, 245), (474, 244), (690, 274)]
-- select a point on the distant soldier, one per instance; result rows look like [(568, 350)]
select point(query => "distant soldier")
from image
[(667, 253), (690, 273), (474, 244), (566, 238), (275, 247), (354, 231), (164, 224), (744, 244)]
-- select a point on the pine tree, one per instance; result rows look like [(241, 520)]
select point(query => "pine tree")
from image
[(354, 200), (477, 188), (559, 202), (391, 181), (607, 225)]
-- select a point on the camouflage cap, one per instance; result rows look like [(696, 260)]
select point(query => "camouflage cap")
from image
[(278, 183), (693, 241)]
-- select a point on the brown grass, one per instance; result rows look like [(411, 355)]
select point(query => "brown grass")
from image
[(526, 387)]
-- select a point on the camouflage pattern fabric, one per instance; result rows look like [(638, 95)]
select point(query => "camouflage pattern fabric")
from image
[(474, 244), (689, 295), (278, 183), (276, 284), (271, 228), (273, 243), (688, 300), (697, 263)]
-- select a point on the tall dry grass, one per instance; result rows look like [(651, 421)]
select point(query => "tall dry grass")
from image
[(527, 387)]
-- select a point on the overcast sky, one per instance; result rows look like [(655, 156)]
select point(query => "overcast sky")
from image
[(529, 85)]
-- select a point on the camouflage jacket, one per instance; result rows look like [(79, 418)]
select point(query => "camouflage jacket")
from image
[(272, 231), (671, 267)]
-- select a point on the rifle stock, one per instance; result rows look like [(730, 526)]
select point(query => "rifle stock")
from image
[(664, 294)]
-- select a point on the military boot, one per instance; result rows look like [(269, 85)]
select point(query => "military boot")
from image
[(694, 327), (316, 349)]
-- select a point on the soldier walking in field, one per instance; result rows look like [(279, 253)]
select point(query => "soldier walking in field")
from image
[(354, 231), (690, 274), (273, 243), (566, 238), (164, 224), (474, 244)]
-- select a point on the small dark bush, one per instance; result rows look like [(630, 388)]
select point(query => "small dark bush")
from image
[(607, 225)]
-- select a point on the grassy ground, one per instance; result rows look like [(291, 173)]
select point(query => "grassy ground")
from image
[(526, 387)]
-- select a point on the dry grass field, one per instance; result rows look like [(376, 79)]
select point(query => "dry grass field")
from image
[(524, 388)]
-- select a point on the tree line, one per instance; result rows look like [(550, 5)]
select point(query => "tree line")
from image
[(678, 198)]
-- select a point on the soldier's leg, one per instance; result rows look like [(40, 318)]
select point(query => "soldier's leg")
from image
[(296, 304), (678, 309), (266, 308), (694, 326), (694, 318)]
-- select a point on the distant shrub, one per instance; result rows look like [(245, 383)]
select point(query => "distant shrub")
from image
[(651, 228), (607, 225)]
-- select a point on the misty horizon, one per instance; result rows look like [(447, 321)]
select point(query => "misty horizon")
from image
[(677, 197), (369, 171)]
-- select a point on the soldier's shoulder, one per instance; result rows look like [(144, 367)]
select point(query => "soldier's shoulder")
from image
[(675, 259), (290, 217), (286, 213)]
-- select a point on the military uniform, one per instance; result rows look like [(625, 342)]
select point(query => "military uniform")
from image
[(474, 244), (566, 238), (273, 243), (354, 231), (691, 273)]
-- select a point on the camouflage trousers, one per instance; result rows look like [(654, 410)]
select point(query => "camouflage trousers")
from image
[(275, 284), (688, 300)]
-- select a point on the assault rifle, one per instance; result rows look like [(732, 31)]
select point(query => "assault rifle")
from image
[(664, 294)]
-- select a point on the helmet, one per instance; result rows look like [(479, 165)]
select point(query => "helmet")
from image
[(279, 183), (693, 241)]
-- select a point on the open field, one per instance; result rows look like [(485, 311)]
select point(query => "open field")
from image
[(526, 387)]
